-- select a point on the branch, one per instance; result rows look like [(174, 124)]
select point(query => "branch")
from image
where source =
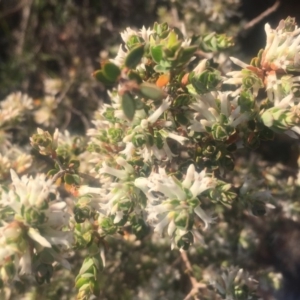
[(23, 27), (195, 284), (61, 167), (264, 14), (14, 9), (60, 174)]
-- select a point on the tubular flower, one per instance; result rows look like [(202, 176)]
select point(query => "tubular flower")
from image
[(115, 198), (149, 136), (174, 204), (39, 222), (282, 48), (14, 107), (280, 56), (215, 113), (141, 36)]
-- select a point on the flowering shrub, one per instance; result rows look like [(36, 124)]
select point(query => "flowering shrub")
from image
[(161, 155)]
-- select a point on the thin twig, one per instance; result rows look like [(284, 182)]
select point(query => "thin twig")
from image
[(70, 109), (64, 92), (60, 174), (23, 27), (68, 116), (83, 118), (14, 9), (264, 14), (195, 284), (61, 168)]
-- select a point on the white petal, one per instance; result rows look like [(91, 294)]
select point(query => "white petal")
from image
[(35, 235), (171, 228), (238, 62), (203, 216), (118, 217), (190, 175)]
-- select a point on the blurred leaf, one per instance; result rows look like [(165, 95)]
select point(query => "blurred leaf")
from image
[(100, 76), (151, 91), (128, 105), (132, 75), (157, 53), (68, 178), (172, 39), (111, 71), (134, 57)]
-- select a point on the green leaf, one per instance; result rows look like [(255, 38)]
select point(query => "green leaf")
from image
[(132, 75), (99, 75), (157, 53), (182, 100), (74, 163), (187, 54), (128, 105), (176, 47), (52, 172), (76, 179), (111, 71), (68, 178), (161, 69), (88, 275), (133, 41), (172, 39), (81, 281), (72, 179), (182, 119), (87, 264), (134, 56), (151, 91)]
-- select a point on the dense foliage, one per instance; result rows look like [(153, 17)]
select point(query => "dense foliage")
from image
[(163, 193)]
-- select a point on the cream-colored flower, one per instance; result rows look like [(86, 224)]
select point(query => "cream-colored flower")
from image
[(14, 106), (170, 201)]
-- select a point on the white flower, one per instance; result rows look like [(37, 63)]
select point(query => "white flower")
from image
[(14, 106), (30, 192), (45, 114), (145, 33), (52, 86), (159, 111), (169, 198), (14, 157), (33, 195), (123, 175), (209, 113), (281, 48), (127, 33), (141, 132), (225, 283), (120, 58), (39, 222)]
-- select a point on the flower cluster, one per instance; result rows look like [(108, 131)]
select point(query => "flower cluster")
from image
[(273, 71), (35, 229), (175, 204)]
